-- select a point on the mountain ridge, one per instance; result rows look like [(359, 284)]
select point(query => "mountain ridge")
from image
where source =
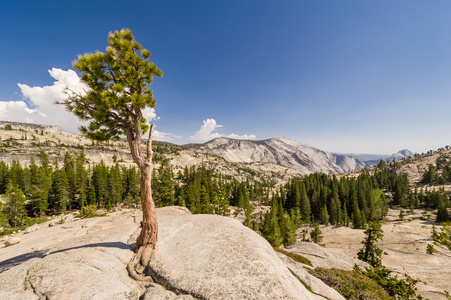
[(281, 151)]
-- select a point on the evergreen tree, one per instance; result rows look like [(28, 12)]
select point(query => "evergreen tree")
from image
[(91, 195), (118, 93), (205, 205), (39, 193), (305, 205), (15, 205), (164, 185), (316, 235), (334, 209), (442, 214), (115, 187), (223, 207), (69, 168), (370, 252), (357, 222), (81, 180), (288, 230), (345, 217), (324, 216), (271, 228), (58, 194)]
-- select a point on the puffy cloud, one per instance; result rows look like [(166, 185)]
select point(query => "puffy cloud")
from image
[(149, 114), (42, 102), (43, 108), (164, 136), (242, 137), (205, 132), (18, 111)]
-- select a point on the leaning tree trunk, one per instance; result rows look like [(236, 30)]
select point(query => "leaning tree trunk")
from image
[(147, 239)]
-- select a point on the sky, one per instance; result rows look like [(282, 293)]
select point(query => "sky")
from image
[(342, 76)]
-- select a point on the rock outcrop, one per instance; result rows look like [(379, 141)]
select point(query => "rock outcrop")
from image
[(67, 261), (197, 256), (214, 257), (325, 257)]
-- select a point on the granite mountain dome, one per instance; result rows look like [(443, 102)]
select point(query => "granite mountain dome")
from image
[(281, 151)]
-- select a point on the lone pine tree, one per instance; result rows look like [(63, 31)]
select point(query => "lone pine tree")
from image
[(118, 82)]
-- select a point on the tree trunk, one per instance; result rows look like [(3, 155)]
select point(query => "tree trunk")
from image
[(149, 232), (147, 239)]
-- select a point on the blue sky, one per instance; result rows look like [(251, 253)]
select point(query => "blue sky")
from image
[(342, 76)]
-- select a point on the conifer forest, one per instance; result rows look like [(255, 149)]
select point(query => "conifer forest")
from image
[(47, 187)]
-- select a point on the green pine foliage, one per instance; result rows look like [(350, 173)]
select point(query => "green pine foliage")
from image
[(14, 208), (370, 252), (351, 284), (316, 235), (443, 237)]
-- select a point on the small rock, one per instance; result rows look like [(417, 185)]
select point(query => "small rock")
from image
[(12, 241), (31, 229), (53, 223)]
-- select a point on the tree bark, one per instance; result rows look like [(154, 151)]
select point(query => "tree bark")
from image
[(147, 238), (149, 231)]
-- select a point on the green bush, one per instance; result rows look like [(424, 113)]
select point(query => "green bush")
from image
[(404, 289), (88, 211), (430, 249), (350, 284)]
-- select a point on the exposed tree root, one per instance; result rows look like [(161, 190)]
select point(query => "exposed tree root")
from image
[(132, 264)]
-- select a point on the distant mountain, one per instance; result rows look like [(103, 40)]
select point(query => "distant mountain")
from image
[(401, 154), (365, 157), (373, 159), (281, 151)]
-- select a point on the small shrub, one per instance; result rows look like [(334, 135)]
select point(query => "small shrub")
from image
[(397, 288), (88, 212), (430, 249), (350, 284)]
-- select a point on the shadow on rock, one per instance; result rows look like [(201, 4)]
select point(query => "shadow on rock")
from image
[(17, 260)]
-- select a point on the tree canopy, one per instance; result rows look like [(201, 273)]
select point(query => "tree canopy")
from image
[(118, 82)]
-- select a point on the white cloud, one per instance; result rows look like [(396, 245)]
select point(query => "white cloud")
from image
[(44, 110), (42, 100), (242, 137), (164, 136), (149, 114), (205, 132), (18, 111)]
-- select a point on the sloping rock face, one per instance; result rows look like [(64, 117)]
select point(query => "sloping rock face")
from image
[(214, 257), (68, 261), (200, 256), (281, 151), (317, 286), (325, 257)]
